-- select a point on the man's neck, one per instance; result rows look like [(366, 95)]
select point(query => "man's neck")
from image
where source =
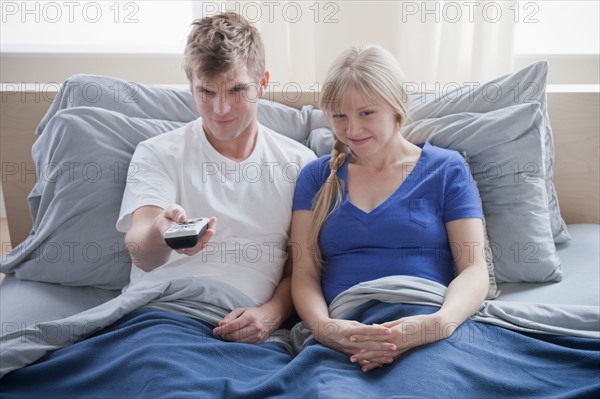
[(237, 149)]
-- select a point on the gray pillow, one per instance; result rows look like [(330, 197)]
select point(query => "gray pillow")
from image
[(320, 140), (523, 87), (505, 149), (508, 141), (86, 141), (128, 98), (82, 160), (159, 102)]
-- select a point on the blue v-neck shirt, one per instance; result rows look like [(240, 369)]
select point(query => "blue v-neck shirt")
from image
[(405, 234)]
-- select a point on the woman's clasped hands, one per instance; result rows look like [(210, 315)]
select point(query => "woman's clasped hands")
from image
[(373, 346)]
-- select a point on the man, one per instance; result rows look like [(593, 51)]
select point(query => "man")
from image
[(158, 339), (224, 165)]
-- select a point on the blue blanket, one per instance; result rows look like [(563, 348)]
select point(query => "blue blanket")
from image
[(157, 354), (154, 354), (169, 351), (479, 360)]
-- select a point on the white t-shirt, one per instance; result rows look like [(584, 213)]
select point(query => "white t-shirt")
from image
[(252, 201)]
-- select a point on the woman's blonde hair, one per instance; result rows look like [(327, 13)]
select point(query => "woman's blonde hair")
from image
[(374, 73)]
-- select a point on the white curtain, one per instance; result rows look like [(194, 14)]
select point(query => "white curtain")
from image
[(470, 42), (436, 42)]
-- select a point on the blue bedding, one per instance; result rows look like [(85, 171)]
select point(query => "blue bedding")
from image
[(155, 340), (479, 360), (158, 354), (153, 354)]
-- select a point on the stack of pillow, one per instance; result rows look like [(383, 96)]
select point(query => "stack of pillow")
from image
[(86, 143)]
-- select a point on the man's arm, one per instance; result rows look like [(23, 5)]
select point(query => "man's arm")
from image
[(280, 306), (145, 238), (254, 325)]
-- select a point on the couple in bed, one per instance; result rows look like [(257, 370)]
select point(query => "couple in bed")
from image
[(355, 214), (352, 210)]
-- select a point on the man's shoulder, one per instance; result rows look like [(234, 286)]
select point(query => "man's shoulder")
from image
[(288, 146), (169, 141)]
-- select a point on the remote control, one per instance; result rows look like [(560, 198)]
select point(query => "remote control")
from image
[(186, 233)]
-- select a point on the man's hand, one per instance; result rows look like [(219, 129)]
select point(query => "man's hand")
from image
[(248, 325), (174, 214)]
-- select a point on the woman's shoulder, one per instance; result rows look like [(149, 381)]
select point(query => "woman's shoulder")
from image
[(318, 165), (317, 169), (441, 155)]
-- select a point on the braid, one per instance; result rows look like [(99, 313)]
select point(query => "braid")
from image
[(339, 152), (330, 193)]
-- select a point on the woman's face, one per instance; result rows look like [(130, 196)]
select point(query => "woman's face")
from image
[(363, 126)]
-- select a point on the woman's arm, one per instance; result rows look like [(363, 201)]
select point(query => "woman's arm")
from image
[(469, 288), (310, 302), (306, 276), (463, 297)]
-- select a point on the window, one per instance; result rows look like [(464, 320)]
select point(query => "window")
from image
[(566, 33), (143, 40), (557, 27), (95, 26)]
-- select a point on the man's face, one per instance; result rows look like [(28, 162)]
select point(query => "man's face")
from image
[(228, 104)]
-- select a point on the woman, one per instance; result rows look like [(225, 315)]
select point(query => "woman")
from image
[(378, 206)]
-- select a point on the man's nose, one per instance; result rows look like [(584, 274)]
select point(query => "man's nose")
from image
[(221, 105)]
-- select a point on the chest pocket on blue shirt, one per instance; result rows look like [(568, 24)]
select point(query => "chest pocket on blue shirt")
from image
[(423, 211)]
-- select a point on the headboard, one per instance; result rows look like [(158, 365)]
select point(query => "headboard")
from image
[(574, 117)]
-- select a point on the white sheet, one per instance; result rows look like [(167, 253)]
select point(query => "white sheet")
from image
[(24, 302), (27, 302), (580, 262)]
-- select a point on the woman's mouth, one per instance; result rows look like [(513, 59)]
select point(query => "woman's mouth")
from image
[(359, 141)]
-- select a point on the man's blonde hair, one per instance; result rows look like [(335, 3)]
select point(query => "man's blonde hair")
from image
[(219, 43)]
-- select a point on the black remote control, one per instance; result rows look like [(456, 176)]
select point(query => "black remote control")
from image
[(186, 234)]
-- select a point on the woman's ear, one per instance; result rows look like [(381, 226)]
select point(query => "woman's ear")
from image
[(399, 120)]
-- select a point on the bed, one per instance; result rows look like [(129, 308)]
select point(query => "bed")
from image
[(539, 183)]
